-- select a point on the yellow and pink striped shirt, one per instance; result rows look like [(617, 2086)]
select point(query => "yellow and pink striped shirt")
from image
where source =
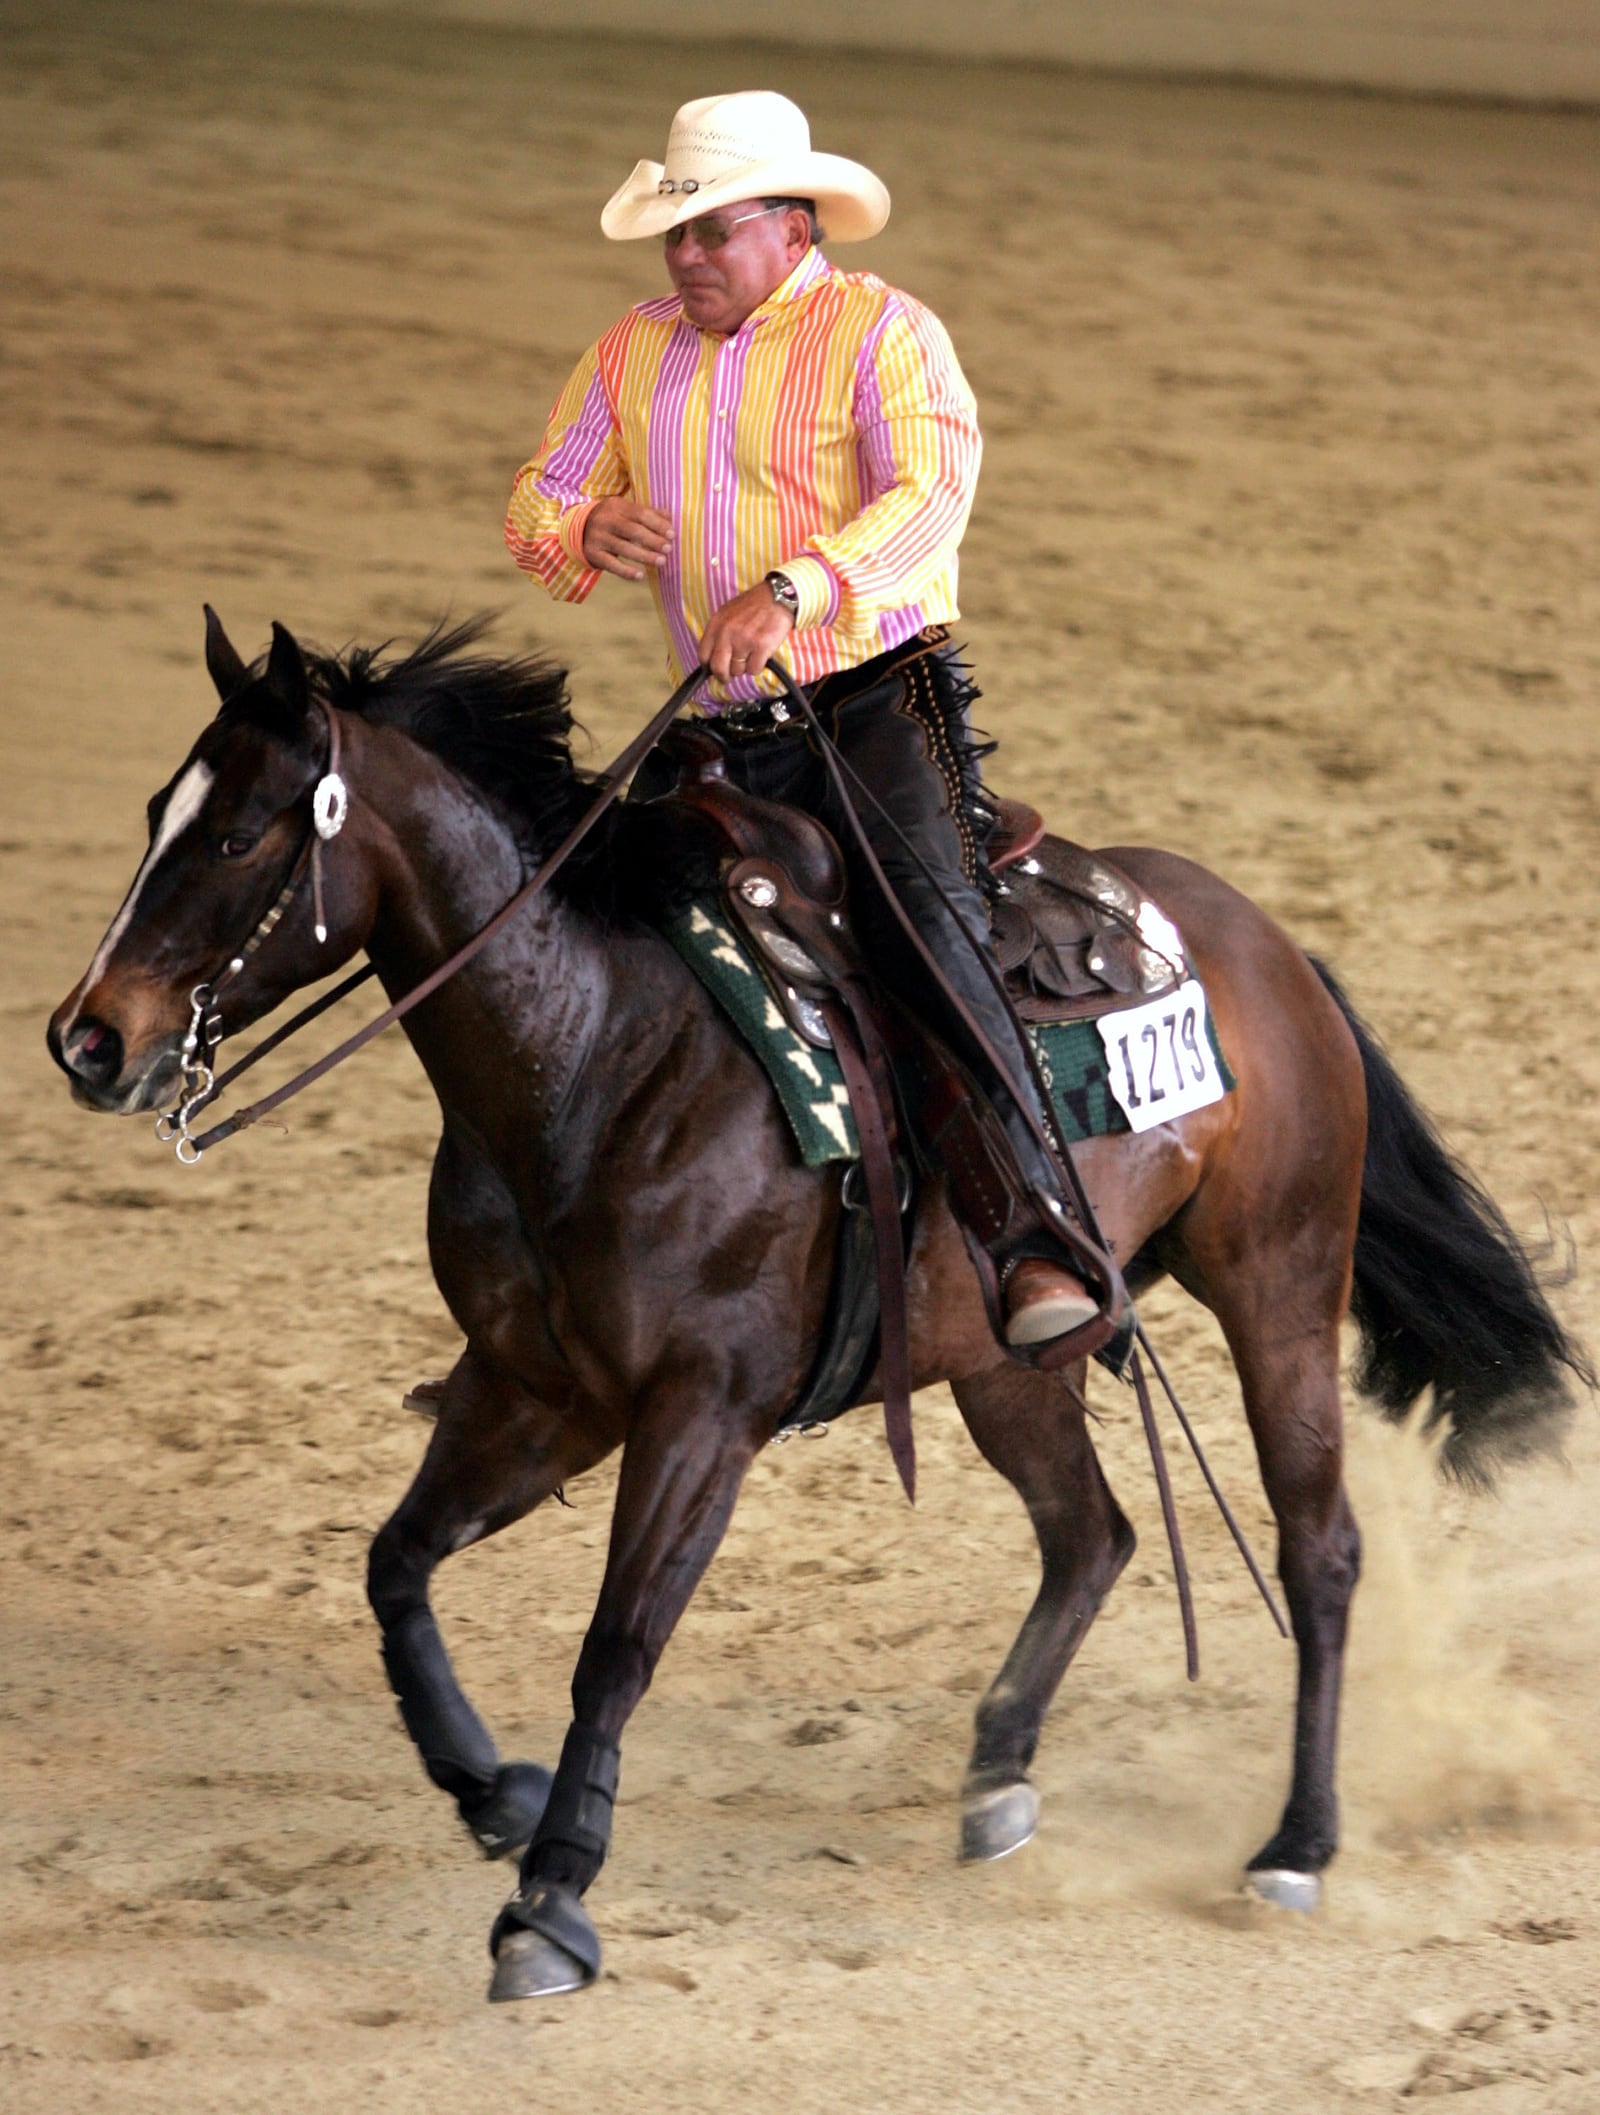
[(833, 437)]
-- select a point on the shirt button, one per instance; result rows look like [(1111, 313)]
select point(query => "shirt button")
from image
[(722, 414), (716, 561)]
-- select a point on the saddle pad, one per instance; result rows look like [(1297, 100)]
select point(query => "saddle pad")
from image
[(808, 1082)]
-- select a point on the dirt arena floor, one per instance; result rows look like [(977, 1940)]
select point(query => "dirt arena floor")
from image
[(1284, 557)]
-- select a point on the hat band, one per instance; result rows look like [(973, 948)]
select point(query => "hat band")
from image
[(667, 186)]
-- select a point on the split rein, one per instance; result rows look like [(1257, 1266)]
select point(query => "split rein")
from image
[(330, 806)]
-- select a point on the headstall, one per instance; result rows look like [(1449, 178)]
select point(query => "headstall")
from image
[(330, 805)]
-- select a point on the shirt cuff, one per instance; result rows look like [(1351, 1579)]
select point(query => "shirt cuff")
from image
[(570, 528), (817, 585)]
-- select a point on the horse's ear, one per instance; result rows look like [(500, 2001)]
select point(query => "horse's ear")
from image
[(286, 676), (223, 665)]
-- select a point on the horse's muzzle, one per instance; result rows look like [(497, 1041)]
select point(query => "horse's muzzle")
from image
[(92, 1054)]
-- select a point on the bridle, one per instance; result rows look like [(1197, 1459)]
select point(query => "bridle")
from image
[(330, 805)]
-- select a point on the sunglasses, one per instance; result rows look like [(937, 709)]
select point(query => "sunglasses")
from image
[(711, 231)]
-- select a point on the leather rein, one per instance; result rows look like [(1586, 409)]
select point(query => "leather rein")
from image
[(330, 806)]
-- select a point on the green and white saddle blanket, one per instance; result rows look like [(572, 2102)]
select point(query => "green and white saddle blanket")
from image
[(1123, 1071)]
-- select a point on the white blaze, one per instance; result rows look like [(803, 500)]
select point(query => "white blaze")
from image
[(188, 798)]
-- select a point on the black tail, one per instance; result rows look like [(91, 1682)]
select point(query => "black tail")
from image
[(1445, 1294)]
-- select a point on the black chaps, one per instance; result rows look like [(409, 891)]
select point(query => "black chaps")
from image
[(902, 725)]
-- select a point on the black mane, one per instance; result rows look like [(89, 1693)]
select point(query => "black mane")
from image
[(502, 722)]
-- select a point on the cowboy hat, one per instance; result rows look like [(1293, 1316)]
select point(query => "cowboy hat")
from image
[(725, 148)]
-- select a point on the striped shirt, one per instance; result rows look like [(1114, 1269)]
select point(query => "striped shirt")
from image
[(833, 436)]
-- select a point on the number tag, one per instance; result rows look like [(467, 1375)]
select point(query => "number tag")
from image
[(1160, 1058)]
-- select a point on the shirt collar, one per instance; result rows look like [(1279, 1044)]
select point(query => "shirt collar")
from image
[(809, 272), (812, 267)]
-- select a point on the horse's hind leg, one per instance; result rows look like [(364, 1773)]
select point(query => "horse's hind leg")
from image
[(1291, 1395), (1280, 1313), (1031, 1427), (493, 1455)]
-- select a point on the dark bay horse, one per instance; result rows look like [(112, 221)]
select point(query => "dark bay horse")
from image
[(637, 1258)]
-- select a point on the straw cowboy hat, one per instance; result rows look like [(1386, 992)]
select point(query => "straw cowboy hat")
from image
[(725, 148)]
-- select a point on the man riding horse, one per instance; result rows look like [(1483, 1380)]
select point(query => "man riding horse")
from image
[(788, 454)]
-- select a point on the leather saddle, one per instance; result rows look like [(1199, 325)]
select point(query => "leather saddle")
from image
[(1077, 940), (1074, 936)]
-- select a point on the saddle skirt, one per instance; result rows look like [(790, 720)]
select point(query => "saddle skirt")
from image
[(1074, 936)]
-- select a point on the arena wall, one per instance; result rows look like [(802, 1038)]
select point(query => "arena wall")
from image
[(1523, 49)]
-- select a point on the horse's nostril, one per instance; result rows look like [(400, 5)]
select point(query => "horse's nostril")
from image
[(94, 1052)]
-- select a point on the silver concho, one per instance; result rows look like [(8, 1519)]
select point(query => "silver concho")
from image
[(809, 1015), (789, 955), (330, 804)]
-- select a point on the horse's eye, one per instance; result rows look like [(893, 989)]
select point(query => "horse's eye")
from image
[(236, 845)]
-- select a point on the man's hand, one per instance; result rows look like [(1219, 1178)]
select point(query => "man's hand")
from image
[(745, 633), (622, 537)]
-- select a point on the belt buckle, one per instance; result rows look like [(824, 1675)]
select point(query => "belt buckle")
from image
[(760, 716)]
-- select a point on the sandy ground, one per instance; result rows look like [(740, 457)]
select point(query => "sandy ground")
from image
[(1283, 557)]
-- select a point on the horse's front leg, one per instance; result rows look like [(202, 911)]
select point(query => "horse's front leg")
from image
[(495, 1453), (681, 1472)]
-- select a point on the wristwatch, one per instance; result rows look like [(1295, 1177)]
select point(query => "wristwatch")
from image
[(784, 593)]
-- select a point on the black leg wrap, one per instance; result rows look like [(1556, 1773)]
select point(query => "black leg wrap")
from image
[(574, 1834), (504, 1816), (456, 1747), (578, 1816)]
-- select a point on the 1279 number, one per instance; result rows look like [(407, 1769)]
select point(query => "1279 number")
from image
[(1160, 1060)]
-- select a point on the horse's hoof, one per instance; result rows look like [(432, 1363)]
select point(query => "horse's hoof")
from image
[(543, 1943), (1285, 1889), (504, 1823), (530, 1965), (995, 1823)]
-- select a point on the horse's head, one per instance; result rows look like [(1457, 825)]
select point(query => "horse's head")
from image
[(227, 833)]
